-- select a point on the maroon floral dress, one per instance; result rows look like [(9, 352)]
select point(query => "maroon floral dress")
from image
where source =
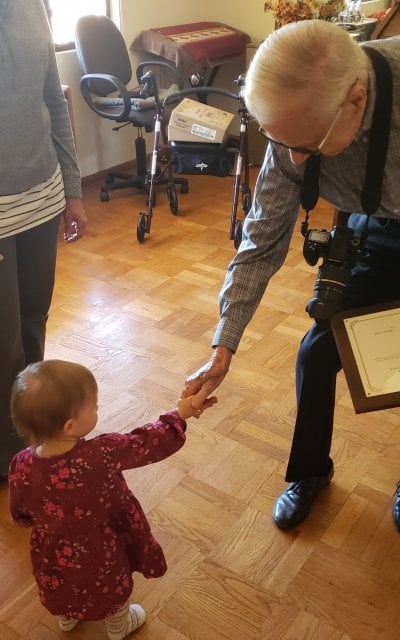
[(89, 531)]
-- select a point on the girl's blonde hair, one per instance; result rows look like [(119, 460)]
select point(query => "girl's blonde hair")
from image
[(311, 59), (47, 394)]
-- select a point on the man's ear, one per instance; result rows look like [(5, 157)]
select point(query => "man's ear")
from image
[(358, 95)]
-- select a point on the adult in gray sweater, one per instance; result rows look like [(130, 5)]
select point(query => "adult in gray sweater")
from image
[(39, 183)]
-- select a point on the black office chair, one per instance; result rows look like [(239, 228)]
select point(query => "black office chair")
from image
[(104, 61)]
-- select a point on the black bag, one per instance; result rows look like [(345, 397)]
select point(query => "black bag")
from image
[(204, 158)]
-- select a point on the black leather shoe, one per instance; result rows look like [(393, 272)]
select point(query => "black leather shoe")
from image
[(294, 504), (396, 507)]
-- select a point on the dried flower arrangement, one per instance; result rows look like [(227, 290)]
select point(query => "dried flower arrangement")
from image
[(285, 11)]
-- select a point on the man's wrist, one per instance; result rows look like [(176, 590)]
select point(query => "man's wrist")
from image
[(222, 348)]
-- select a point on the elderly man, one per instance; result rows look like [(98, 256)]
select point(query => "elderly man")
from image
[(324, 103)]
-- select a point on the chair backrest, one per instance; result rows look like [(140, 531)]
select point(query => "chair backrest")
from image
[(101, 49)]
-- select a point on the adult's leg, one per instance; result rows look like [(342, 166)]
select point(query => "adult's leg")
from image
[(376, 278), (36, 256), (12, 359), (317, 365)]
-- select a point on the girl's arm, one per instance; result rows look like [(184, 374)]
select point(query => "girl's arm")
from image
[(154, 441), (151, 443)]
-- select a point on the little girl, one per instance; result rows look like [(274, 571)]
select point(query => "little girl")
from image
[(89, 532)]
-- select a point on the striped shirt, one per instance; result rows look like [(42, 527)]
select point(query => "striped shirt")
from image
[(33, 207), (270, 223)]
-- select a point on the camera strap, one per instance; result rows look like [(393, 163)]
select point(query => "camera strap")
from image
[(377, 150), (309, 194)]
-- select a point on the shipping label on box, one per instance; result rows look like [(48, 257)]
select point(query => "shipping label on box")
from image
[(193, 121)]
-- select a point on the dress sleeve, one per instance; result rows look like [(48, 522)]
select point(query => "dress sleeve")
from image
[(151, 443), (18, 512)]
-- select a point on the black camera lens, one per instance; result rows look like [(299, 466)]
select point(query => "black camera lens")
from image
[(329, 289), (339, 250)]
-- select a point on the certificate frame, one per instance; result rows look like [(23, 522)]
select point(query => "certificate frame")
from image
[(363, 337)]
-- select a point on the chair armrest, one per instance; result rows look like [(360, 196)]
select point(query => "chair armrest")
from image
[(140, 70), (89, 88)]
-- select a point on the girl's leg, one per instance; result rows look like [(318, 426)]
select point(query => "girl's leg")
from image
[(66, 624), (127, 619)]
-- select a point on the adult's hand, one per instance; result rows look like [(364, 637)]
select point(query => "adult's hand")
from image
[(75, 219), (206, 379)]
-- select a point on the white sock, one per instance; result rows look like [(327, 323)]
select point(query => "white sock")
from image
[(127, 619), (67, 624)]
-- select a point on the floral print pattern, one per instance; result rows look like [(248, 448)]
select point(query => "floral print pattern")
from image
[(89, 532)]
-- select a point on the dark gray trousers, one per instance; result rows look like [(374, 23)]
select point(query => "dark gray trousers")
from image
[(375, 279), (27, 269)]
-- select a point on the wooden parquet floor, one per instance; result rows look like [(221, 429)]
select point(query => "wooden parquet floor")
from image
[(142, 317)]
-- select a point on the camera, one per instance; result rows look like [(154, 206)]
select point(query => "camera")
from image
[(340, 249)]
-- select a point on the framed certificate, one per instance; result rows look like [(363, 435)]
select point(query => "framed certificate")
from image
[(368, 340)]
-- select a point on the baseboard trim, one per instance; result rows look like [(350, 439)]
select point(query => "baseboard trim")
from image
[(100, 176)]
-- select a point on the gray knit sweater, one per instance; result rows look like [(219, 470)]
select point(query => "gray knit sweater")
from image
[(35, 132)]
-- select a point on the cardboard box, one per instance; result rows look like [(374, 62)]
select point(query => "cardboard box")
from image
[(193, 121)]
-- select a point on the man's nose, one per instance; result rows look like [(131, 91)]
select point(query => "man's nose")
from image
[(298, 158)]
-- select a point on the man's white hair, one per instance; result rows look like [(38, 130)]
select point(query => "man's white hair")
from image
[(310, 60)]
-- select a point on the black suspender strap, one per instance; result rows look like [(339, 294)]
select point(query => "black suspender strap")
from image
[(379, 135)]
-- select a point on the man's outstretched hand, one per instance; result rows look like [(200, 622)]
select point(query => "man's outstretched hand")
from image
[(201, 384)]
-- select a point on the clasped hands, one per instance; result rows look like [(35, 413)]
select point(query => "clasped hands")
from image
[(193, 406), (196, 396)]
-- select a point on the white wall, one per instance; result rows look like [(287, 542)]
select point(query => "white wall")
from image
[(98, 146)]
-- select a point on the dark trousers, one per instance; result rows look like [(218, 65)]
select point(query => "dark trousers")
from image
[(27, 268), (375, 279)]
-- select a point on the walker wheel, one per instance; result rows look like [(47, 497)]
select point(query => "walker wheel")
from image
[(104, 195), (141, 227), (172, 199), (237, 238)]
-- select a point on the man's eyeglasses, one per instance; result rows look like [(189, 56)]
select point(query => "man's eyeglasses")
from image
[(303, 150)]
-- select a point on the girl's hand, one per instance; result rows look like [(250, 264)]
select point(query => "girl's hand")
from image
[(193, 406)]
